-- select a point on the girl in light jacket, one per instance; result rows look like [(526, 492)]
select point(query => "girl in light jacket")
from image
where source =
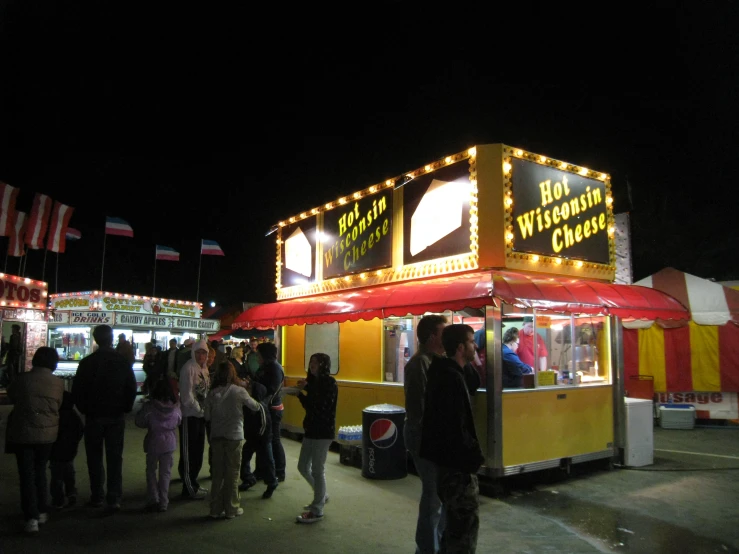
[(224, 409), (161, 415)]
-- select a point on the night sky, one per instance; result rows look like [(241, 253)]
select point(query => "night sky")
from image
[(217, 125)]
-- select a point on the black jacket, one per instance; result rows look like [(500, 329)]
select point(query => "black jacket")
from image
[(104, 385), (271, 375), (258, 425), (319, 400), (449, 438), (71, 430)]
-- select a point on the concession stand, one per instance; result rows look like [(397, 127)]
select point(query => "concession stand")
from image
[(23, 302), (492, 236), (74, 315)]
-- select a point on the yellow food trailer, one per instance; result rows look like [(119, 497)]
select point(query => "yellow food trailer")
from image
[(489, 236)]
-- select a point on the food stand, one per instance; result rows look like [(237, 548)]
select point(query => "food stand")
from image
[(74, 315), (23, 302), (487, 236)]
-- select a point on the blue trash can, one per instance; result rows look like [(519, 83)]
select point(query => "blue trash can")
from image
[(383, 448)]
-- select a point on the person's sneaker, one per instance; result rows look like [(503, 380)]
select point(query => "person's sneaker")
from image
[(269, 491), (95, 504), (246, 485), (200, 494), (280, 477), (308, 517), (31, 526), (43, 518), (162, 508), (239, 512)]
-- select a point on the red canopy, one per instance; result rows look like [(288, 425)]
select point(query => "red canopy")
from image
[(472, 290)]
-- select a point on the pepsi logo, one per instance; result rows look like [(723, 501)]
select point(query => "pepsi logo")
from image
[(383, 433)]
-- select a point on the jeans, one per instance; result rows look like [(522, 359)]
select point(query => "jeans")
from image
[(312, 466), (105, 432), (32, 460), (278, 452), (262, 447), (430, 523), (459, 491), (63, 481)]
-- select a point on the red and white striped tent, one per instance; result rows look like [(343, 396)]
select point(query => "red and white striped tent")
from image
[(697, 361)]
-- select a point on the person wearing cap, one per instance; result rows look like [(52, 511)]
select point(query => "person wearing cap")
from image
[(194, 384), (526, 346)]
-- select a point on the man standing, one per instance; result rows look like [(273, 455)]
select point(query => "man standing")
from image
[(252, 357), (104, 390), (194, 382), (125, 348), (449, 439), (430, 524), (172, 359), (526, 346), (15, 349), (271, 375)]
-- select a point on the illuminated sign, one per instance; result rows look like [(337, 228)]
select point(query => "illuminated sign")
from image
[(91, 318), (124, 303), (23, 315), (357, 236), (299, 252), (557, 213), (436, 214), (22, 292), (202, 325)]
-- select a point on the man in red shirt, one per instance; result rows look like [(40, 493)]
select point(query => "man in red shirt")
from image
[(526, 346)]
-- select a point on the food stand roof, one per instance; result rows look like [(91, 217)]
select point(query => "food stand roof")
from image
[(472, 290)]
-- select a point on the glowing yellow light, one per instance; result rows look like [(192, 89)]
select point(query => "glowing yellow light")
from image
[(472, 151), (611, 230), (362, 275), (357, 194), (373, 188), (558, 261), (282, 224), (507, 168), (584, 171), (609, 200), (342, 200), (509, 202), (389, 183), (542, 159), (328, 206), (563, 165), (347, 278), (379, 273), (409, 175), (578, 264), (519, 153), (292, 220), (534, 258), (448, 159), (509, 237), (427, 168), (314, 211), (603, 176), (303, 215)]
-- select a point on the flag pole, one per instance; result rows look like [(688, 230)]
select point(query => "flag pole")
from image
[(56, 277), (154, 288), (43, 267), (102, 266), (200, 263)]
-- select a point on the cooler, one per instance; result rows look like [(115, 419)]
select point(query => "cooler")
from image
[(383, 449), (676, 416)]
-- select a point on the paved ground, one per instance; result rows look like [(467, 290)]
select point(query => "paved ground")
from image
[(685, 502)]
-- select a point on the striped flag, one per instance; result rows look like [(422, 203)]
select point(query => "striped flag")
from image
[(73, 234), (116, 226), (60, 216), (15, 246), (210, 248), (167, 253), (38, 223), (8, 196)]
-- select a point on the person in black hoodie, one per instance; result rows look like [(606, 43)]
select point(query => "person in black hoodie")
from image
[(258, 439), (318, 395), (449, 439), (271, 375), (63, 452), (104, 390)]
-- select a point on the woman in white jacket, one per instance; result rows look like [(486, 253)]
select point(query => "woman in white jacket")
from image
[(224, 410)]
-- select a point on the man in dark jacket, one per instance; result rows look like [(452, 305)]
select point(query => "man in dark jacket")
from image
[(104, 390), (257, 439), (271, 375), (450, 441)]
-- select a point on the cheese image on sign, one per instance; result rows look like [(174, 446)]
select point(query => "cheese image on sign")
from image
[(298, 253), (438, 214)]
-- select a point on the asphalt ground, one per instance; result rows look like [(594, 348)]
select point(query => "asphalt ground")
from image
[(685, 502)]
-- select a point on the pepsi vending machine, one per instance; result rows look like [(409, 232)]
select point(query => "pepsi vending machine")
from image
[(383, 448)]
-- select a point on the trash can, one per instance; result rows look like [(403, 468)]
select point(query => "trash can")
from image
[(383, 448)]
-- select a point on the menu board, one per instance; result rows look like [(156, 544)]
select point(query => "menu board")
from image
[(35, 338)]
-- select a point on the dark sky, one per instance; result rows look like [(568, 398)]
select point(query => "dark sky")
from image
[(216, 124)]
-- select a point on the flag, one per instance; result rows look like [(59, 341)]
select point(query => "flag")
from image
[(8, 195), (39, 221), (60, 216), (73, 234), (116, 226), (15, 246), (210, 248), (167, 253)]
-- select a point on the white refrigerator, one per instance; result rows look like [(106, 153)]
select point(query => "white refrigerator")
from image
[(639, 440)]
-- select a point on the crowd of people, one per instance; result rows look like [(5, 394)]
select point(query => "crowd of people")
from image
[(230, 400)]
